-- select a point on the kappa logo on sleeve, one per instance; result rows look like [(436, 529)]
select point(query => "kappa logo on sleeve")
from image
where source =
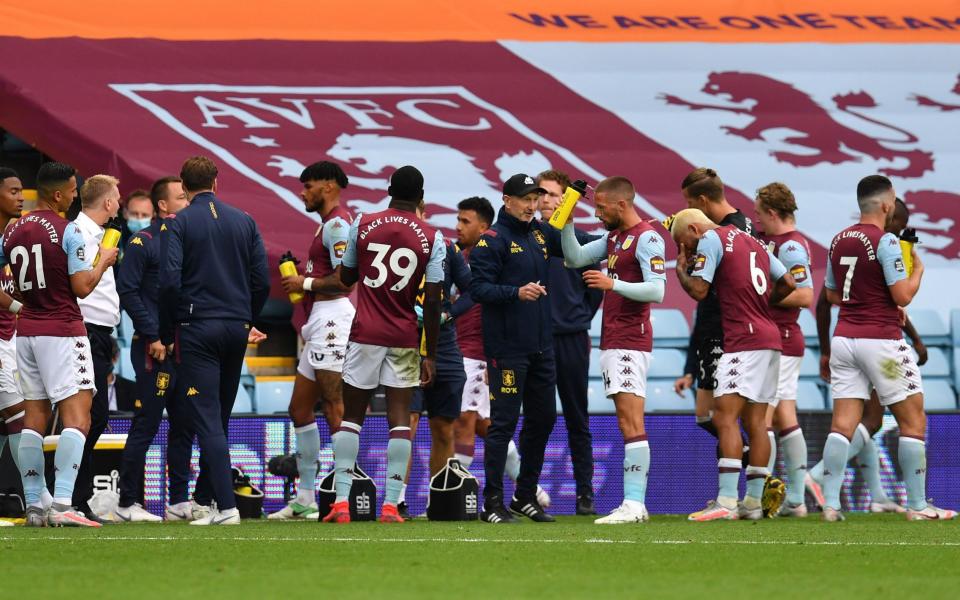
[(699, 262), (799, 273), (657, 264), (136, 241), (482, 243)]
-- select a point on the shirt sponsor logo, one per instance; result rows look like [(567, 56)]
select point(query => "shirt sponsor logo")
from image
[(515, 248)]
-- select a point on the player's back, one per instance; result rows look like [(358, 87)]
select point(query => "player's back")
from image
[(34, 247), (393, 248), (867, 309), (743, 288)]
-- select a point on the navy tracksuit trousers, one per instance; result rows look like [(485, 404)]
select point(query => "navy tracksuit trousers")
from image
[(209, 355)]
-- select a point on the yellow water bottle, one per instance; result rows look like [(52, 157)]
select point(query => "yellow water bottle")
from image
[(288, 268), (111, 238), (570, 197), (907, 239)]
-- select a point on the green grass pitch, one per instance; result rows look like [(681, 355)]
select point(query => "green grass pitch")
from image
[(874, 556)]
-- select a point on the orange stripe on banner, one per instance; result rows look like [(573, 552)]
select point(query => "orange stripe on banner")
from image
[(838, 21)]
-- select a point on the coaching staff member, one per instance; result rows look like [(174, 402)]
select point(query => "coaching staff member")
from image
[(510, 268), (213, 282)]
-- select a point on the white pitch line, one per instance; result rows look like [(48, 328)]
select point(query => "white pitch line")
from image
[(481, 541)]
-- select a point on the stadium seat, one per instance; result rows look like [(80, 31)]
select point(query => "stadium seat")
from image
[(249, 383), (595, 326), (661, 397), (243, 403), (809, 396), (125, 329), (594, 361), (808, 325), (666, 363), (597, 401), (956, 368), (670, 328), (938, 394), (810, 367), (955, 327), (125, 367), (933, 331), (273, 394), (936, 365)]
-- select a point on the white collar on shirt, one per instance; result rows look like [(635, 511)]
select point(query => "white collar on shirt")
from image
[(88, 227)]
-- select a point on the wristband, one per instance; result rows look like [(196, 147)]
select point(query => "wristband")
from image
[(15, 306), (308, 284)]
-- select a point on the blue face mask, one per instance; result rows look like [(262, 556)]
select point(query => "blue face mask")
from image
[(135, 225)]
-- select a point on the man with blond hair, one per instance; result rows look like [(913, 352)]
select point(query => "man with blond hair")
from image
[(99, 203), (747, 280)]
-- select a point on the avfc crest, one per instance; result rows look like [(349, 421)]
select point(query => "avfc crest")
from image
[(163, 381), (538, 235), (509, 379)]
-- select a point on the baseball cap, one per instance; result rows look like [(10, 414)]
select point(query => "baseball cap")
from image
[(406, 183), (521, 184)]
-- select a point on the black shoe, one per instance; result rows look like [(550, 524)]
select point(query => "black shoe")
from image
[(403, 511), (531, 508), (497, 513), (585, 505)]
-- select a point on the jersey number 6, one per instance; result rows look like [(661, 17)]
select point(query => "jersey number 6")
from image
[(757, 276), (403, 271)]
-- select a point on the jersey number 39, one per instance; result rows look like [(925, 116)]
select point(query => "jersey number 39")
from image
[(402, 263)]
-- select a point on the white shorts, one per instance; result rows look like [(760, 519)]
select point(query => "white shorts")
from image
[(325, 337), (625, 371), (789, 378), (752, 373), (9, 387), (54, 368), (368, 366), (859, 364), (476, 393)]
